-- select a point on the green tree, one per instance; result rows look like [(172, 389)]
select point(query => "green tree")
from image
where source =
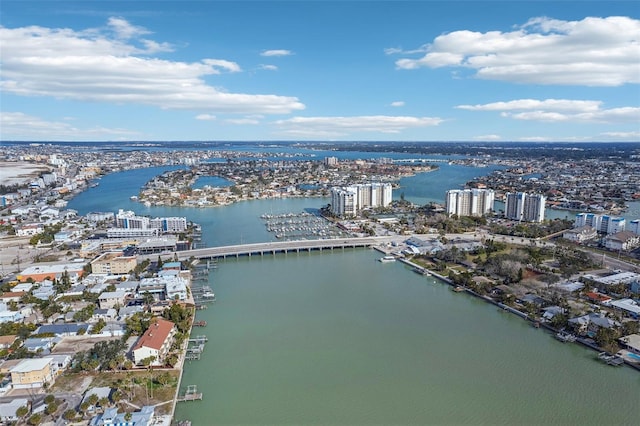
[(70, 414), (22, 411), (35, 419)]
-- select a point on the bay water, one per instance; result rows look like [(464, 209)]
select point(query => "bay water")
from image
[(339, 338)]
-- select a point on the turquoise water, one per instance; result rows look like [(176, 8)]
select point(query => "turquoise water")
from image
[(338, 338), (343, 339)]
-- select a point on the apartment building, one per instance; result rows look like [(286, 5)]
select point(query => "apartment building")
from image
[(113, 263), (469, 202), (155, 342), (524, 207)]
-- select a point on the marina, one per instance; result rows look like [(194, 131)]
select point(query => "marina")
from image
[(294, 226)]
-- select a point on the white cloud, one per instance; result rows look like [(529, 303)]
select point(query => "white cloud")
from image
[(534, 104), (205, 117), (397, 103), (340, 126), (92, 66), (268, 67), (221, 63), (487, 138), (26, 127), (276, 52), (242, 121), (559, 110), (591, 52), (124, 30), (623, 135)]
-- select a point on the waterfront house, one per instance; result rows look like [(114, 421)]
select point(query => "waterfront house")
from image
[(155, 342), (110, 417), (631, 343), (590, 323), (551, 311), (32, 373)]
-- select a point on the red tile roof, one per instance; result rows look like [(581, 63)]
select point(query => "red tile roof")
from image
[(156, 334), (597, 297)]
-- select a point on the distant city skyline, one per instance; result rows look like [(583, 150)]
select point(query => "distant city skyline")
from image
[(523, 71)]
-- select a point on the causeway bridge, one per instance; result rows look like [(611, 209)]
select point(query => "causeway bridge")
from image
[(275, 247)]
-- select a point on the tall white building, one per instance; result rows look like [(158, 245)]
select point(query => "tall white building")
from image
[(127, 220), (634, 226), (469, 202), (524, 207), (348, 201), (343, 202)]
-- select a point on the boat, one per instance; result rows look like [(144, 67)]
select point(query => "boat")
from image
[(201, 323), (421, 271), (565, 337), (387, 259), (208, 295), (134, 198), (458, 289), (614, 360)]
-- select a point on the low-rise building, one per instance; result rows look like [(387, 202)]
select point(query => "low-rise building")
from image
[(155, 342), (32, 373), (8, 410), (580, 234), (42, 272), (113, 263), (625, 240), (111, 299)]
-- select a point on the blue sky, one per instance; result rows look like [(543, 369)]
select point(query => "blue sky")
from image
[(304, 70)]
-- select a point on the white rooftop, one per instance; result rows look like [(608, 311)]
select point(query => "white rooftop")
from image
[(33, 364)]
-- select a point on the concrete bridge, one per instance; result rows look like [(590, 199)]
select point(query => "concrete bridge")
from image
[(270, 248), (421, 160)]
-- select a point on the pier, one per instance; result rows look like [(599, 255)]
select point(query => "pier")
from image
[(191, 394)]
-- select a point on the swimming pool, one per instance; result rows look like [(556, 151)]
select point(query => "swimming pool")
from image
[(633, 356)]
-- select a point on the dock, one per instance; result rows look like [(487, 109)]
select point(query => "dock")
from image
[(191, 394)]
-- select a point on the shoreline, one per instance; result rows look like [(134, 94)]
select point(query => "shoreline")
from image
[(522, 315)]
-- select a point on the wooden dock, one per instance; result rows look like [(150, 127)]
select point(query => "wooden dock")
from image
[(191, 394)]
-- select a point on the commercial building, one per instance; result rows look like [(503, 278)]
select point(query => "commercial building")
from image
[(469, 202), (524, 207), (42, 272)]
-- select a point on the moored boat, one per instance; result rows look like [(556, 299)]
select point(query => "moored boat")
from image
[(387, 259), (565, 337)]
